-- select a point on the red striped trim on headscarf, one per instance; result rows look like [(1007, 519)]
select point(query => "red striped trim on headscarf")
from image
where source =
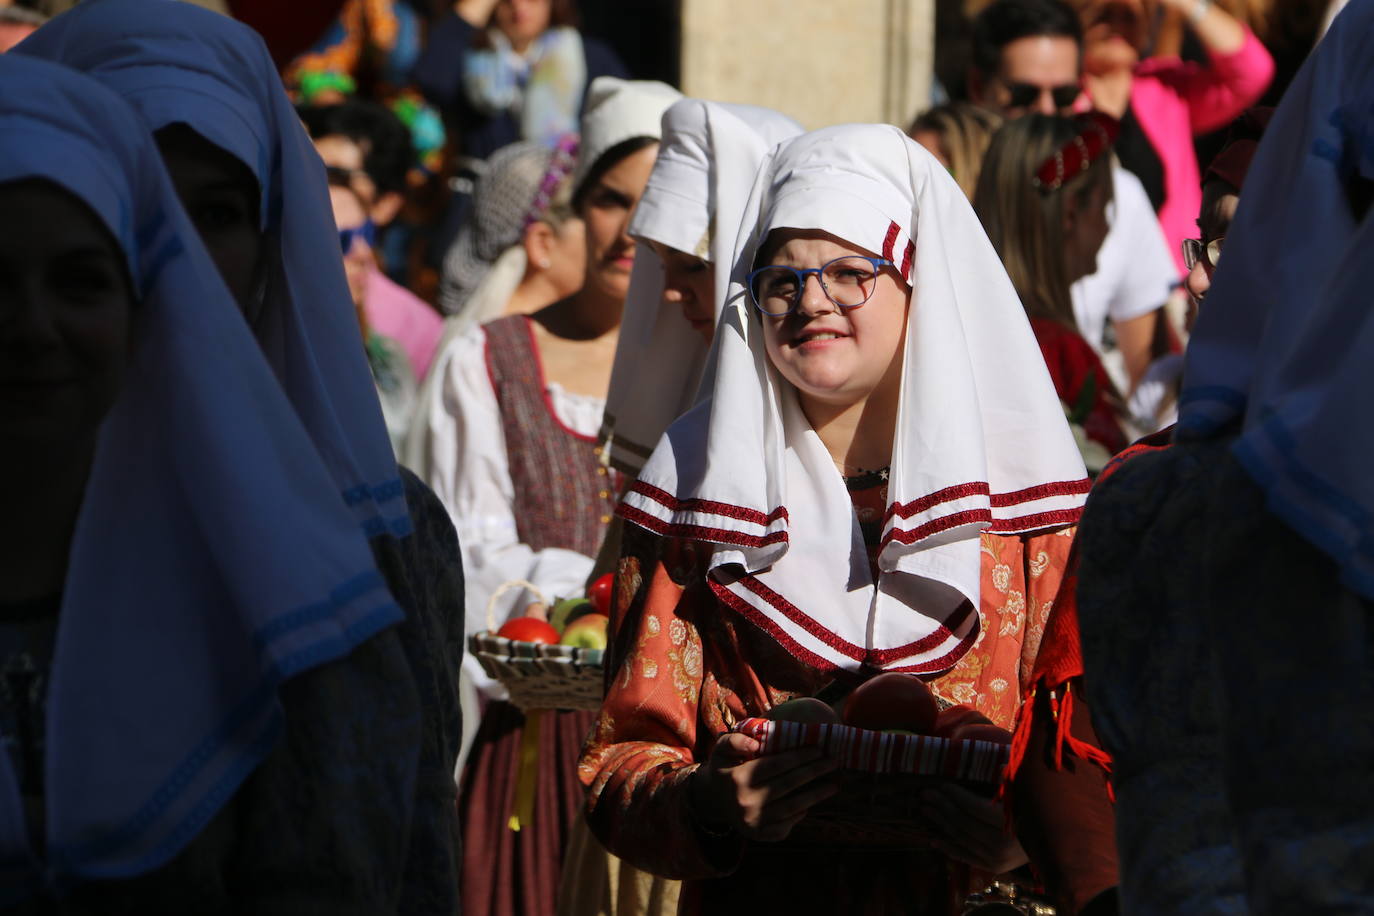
[(892, 231), (707, 506)]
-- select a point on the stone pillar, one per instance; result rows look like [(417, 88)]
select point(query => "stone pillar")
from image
[(819, 61)]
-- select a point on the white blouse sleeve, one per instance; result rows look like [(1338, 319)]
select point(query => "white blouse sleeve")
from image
[(461, 451)]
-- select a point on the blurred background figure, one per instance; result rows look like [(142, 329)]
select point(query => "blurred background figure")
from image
[(507, 70), (508, 435), (502, 71), (1027, 57), (392, 371), (522, 246), (1154, 403), (367, 149), (957, 134), (1162, 102), (17, 23), (545, 265), (1042, 198)]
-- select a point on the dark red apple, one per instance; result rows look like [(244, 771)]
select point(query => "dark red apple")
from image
[(956, 717), (528, 629), (599, 593), (892, 701)]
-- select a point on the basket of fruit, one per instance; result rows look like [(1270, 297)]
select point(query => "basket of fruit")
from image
[(548, 664), (894, 740)]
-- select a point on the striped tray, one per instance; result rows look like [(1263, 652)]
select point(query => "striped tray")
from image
[(867, 751)]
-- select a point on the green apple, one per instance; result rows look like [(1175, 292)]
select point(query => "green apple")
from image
[(587, 632), (568, 610)]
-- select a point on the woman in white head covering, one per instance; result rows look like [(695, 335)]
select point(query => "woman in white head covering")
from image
[(205, 704), (255, 189), (689, 217), (509, 441), (881, 480), (1226, 587)]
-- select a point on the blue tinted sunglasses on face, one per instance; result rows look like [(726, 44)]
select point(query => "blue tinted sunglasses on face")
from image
[(367, 232)]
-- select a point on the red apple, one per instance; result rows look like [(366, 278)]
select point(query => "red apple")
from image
[(528, 629), (599, 593), (892, 701), (587, 632), (956, 717), (803, 709), (982, 731)]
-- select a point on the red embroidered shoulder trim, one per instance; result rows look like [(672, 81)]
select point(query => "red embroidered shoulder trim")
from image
[(911, 536), (1042, 491), (948, 494), (1038, 520), (696, 532), (671, 502), (778, 634)]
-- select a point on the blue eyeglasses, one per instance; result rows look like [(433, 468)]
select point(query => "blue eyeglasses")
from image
[(367, 232), (848, 282)]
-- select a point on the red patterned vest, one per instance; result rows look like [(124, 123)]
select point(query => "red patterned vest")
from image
[(564, 495)]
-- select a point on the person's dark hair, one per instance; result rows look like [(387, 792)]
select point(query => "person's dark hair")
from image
[(608, 161), (1007, 20), (387, 152)]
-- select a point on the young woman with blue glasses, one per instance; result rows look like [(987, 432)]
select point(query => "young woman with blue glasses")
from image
[(881, 480)]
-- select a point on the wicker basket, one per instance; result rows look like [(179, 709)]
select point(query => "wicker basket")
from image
[(537, 675)]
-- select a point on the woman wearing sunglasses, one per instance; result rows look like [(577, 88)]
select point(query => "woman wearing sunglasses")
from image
[(392, 371), (880, 480)]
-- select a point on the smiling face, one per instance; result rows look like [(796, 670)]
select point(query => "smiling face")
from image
[(66, 310), (838, 357), (689, 283), (606, 208), (221, 197)]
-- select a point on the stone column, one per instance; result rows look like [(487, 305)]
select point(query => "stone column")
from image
[(819, 61)]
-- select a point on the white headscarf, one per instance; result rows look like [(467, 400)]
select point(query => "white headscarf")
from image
[(212, 557), (178, 63), (1285, 343), (693, 202), (981, 442), (618, 110)]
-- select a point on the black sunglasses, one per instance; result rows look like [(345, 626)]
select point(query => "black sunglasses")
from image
[(1024, 95)]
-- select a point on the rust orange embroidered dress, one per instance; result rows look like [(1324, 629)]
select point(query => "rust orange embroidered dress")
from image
[(754, 572), (686, 668)]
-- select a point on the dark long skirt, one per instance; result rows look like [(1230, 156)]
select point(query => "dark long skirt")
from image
[(505, 872)]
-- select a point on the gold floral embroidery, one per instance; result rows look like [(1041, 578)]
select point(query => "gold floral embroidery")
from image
[(650, 667), (677, 631), (652, 626), (1012, 614), (1039, 564), (1001, 577), (998, 684)]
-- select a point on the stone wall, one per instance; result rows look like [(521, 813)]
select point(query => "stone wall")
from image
[(819, 61)]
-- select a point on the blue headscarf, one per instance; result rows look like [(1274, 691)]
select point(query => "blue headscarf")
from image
[(212, 558), (1283, 353), (177, 63)]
